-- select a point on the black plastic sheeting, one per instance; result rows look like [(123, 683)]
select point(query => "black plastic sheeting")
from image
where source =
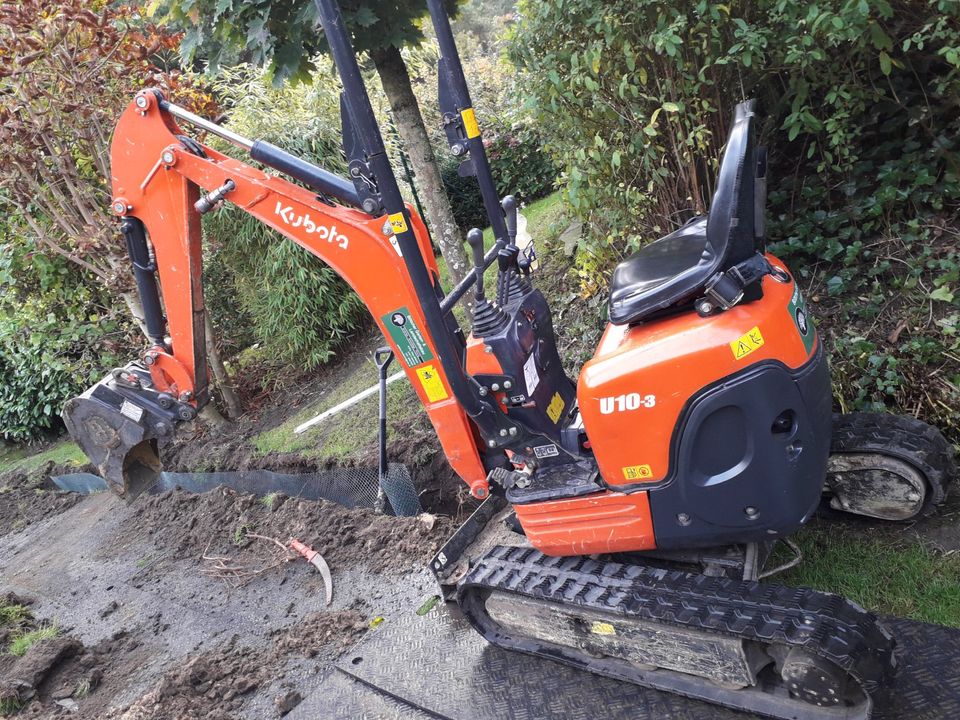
[(350, 487)]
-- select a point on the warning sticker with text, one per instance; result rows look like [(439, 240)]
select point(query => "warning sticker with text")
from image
[(747, 343), (530, 375), (545, 451), (398, 223), (432, 383), (407, 337), (555, 408)]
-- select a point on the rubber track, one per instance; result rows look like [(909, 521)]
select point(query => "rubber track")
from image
[(823, 624), (902, 437)]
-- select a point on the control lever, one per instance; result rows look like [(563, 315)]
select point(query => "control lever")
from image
[(510, 287), (475, 240), (488, 319), (509, 205)]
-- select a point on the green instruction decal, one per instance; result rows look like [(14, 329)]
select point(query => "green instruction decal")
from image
[(407, 337), (801, 318)]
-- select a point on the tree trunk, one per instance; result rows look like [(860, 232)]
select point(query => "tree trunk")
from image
[(406, 113), (230, 399)]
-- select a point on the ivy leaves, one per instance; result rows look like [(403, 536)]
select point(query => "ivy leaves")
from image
[(634, 96)]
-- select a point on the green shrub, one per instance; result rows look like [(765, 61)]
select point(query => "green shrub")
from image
[(261, 286), (56, 337), (33, 388), (859, 104), (519, 165), (634, 97)]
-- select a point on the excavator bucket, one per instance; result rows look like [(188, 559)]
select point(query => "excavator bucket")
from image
[(118, 424)]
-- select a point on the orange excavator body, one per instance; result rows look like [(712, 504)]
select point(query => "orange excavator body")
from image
[(632, 394), (630, 398)]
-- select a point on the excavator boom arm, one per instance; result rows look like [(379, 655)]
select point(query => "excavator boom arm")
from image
[(162, 181)]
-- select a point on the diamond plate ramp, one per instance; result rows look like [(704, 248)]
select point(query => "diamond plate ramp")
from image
[(438, 664), (341, 696)]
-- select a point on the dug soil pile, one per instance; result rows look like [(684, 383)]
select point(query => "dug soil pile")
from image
[(219, 523), (215, 685), (170, 607)]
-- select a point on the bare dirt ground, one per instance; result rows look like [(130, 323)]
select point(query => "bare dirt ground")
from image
[(150, 629), (27, 498)]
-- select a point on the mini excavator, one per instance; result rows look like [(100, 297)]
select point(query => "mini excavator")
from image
[(628, 517)]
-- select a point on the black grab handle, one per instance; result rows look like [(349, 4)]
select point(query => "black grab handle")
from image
[(382, 357)]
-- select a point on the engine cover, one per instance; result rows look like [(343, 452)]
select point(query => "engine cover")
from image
[(724, 421)]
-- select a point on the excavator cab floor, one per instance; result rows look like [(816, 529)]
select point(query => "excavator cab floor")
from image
[(438, 666)]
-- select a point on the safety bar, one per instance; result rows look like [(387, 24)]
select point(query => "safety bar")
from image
[(270, 155), (453, 81)]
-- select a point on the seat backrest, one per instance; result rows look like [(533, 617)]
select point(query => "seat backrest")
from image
[(731, 221)]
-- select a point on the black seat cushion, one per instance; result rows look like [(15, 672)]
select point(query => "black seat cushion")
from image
[(675, 269), (663, 273)]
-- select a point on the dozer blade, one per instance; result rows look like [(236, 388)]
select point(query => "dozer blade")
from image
[(118, 423)]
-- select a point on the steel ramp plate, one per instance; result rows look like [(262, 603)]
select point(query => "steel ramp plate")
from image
[(438, 665), (341, 696)]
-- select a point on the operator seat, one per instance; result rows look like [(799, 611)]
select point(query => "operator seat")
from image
[(675, 269)]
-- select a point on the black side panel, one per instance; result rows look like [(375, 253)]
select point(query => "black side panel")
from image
[(751, 459)]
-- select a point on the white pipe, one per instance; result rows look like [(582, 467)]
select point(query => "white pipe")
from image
[(345, 404)]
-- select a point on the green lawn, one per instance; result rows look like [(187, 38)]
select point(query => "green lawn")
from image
[(910, 580), (347, 435), (63, 453)]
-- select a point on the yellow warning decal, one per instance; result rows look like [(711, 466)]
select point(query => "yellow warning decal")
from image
[(470, 123), (637, 472), (747, 343), (398, 223), (555, 408), (432, 384), (602, 628)]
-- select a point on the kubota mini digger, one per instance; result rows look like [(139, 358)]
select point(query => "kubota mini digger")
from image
[(628, 516)]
